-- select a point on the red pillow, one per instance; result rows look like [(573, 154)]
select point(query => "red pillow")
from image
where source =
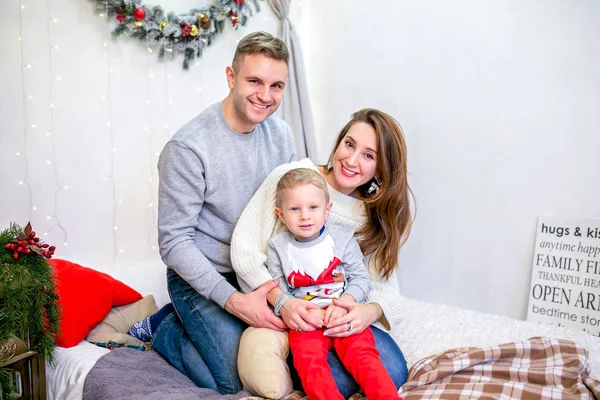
[(85, 298)]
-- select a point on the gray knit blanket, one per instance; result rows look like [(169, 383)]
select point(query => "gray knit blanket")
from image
[(132, 374)]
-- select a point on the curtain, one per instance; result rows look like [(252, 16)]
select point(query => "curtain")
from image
[(295, 108)]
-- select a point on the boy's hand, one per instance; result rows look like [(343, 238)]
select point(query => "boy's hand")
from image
[(318, 314), (334, 312), (296, 314)]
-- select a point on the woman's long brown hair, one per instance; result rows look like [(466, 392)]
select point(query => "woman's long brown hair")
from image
[(389, 217)]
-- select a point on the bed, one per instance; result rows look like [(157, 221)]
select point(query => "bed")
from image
[(427, 329)]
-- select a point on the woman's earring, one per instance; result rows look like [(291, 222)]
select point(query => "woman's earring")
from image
[(329, 165), (375, 184)]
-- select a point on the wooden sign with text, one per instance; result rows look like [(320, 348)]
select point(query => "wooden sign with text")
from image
[(565, 280)]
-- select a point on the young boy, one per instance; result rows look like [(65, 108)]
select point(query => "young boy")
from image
[(318, 263)]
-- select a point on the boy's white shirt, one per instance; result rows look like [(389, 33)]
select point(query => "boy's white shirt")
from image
[(313, 262)]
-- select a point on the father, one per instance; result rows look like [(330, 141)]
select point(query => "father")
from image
[(209, 171)]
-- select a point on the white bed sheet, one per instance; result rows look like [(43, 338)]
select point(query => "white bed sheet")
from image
[(426, 329), (65, 379), (429, 329)]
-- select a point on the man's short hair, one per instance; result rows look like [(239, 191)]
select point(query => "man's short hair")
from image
[(260, 43), (300, 177)]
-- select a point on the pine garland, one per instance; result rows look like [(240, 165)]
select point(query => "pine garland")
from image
[(28, 300), (172, 34), (4, 384)]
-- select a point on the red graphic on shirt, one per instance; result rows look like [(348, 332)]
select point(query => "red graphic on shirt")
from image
[(329, 275)]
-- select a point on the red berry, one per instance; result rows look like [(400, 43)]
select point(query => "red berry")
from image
[(36, 239), (16, 255), (19, 249), (26, 251), (7, 246), (31, 241), (32, 234), (24, 243), (12, 246), (45, 245)]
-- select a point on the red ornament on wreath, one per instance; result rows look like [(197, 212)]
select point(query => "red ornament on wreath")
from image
[(239, 1), (234, 18), (139, 14)]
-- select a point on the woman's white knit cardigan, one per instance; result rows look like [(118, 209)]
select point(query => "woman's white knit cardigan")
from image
[(259, 222)]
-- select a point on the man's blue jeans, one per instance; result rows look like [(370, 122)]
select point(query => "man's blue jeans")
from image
[(202, 339), (206, 349)]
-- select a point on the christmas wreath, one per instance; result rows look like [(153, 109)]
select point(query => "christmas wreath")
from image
[(172, 34), (28, 299)]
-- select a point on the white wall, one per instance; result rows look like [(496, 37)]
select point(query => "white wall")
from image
[(85, 99), (500, 105), (499, 101)]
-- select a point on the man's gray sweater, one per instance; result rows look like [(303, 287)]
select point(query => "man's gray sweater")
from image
[(208, 173)]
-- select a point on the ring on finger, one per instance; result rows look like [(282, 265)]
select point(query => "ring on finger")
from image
[(350, 326)]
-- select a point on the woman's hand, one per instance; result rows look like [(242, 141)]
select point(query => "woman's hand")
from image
[(298, 315), (358, 318)]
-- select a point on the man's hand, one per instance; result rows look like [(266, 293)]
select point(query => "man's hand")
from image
[(252, 308)]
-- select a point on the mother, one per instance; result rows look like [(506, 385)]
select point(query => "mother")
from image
[(367, 178)]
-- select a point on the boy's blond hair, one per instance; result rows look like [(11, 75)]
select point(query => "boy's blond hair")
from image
[(262, 43), (300, 177)]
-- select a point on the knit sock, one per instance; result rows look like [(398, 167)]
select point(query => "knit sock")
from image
[(145, 328)]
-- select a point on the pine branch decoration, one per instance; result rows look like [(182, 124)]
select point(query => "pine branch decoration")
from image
[(28, 299), (188, 33)]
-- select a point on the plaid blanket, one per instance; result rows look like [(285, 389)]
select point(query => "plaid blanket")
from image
[(538, 368)]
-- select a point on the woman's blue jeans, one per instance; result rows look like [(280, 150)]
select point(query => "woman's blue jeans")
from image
[(206, 349)]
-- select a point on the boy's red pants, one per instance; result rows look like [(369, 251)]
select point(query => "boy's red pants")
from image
[(358, 354)]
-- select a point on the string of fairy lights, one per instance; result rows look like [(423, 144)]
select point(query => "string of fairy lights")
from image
[(29, 126), (156, 132), (153, 232), (111, 137), (52, 47), (23, 152)]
